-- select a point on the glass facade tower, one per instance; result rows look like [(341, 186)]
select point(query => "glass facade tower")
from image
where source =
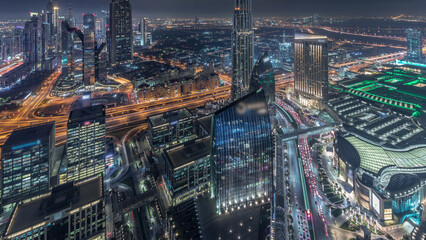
[(121, 34), (263, 77), (25, 158), (311, 66), (242, 49), (242, 153), (414, 45), (86, 144), (89, 49)]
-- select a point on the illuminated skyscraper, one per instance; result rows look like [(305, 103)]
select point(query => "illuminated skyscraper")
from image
[(25, 159), (263, 78), (287, 49), (32, 41), (85, 143), (242, 49), (310, 67), (121, 33), (414, 45), (89, 49), (242, 153)]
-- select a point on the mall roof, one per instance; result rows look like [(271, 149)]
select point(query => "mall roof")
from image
[(374, 158), (64, 196), (169, 117)]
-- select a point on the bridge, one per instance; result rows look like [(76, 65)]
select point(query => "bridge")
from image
[(135, 202), (309, 131)]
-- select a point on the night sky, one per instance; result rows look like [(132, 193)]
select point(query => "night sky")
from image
[(223, 8)]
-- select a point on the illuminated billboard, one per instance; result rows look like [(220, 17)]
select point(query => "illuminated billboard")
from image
[(376, 203)]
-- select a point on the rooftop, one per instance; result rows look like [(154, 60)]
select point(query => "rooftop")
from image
[(169, 117), (87, 113), (30, 134), (62, 197), (188, 152)]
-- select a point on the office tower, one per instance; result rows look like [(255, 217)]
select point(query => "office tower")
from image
[(242, 153), (310, 68), (69, 211), (142, 30), (187, 172), (287, 49), (121, 34), (70, 16), (45, 40), (32, 40), (414, 45), (52, 17), (263, 78), (26, 159), (89, 49), (170, 128), (85, 143), (100, 62), (67, 51), (242, 49)]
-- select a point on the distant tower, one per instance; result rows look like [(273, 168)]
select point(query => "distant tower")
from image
[(311, 67), (70, 16), (142, 30), (121, 34), (242, 48), (89, 49), (414, 45)]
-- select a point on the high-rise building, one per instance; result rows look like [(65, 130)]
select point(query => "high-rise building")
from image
[(26, 159), (32, 40), (310, 68), (287, 49), (242, 153), (52, 17), (263, 78), (414, 45), (89, 49), (121, 33), (187, 169), (142, 30), (242, 48), (86, 144), (69, 211)]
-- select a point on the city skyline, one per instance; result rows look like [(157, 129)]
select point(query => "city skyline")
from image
[(222, 8), (119, 121)]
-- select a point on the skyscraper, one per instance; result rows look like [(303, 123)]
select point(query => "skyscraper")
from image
[(85, 143), (121, 33), (414, 45), (142, 30), (287, 49), (32, 40), (263, 78), (310, 68), (26, 159), (242, 153), (242, 49), (89, 49)]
